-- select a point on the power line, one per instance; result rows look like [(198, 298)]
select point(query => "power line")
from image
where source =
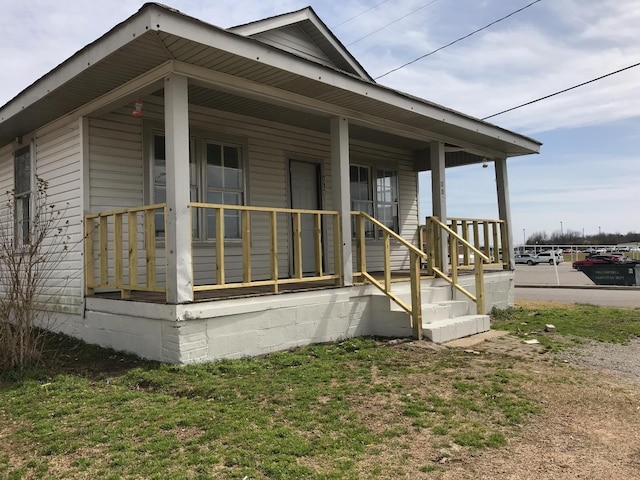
[(395, 21), (563, 91), (361, 13), (458, 40)]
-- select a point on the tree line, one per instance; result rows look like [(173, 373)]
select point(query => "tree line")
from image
[(574, 237)]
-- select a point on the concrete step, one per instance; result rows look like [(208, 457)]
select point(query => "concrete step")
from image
[(433, 312), (445, 330), (437, 310)]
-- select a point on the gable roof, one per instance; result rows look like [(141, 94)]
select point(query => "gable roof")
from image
[(298, 32), (231, 72)]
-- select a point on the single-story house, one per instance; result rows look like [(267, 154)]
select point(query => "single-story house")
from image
[(232, 192)]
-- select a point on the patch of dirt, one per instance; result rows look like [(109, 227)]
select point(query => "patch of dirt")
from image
[(590, 421)]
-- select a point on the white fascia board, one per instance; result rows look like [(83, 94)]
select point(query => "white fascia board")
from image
[(116, 38), (197, 31)]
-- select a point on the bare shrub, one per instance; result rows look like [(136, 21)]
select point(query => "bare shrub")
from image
[(29, 254)]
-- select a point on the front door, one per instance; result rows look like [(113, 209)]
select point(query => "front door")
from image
[(305, 194)]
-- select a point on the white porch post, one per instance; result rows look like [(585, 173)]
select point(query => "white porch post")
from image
[(504, 211), (178, 245), (438, 194), (341, 190)]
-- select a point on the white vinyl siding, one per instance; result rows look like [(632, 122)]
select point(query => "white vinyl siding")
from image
[(293, 39), (115, 163), (57, 154)]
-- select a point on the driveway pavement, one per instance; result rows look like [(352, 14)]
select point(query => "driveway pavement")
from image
[(563, 284)]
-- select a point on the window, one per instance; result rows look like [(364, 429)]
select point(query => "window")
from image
[(387, 198), (376, 195), (216, 176), (22, 191)]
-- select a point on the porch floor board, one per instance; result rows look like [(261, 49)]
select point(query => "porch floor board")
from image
[(257, 291)]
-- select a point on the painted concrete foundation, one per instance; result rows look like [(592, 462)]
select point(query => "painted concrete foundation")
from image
[(208, 331)]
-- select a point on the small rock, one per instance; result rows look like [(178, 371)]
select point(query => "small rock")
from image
[(549, 328), (533, 341)]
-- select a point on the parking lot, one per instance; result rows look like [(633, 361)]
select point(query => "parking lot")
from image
[(545, 274), (542, 283)]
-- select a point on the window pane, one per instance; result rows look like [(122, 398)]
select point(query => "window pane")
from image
[(214, 197), (231, 157), (231, 224), (214, 166), (232, 199), (22, 170), (158, 147), (22, 219), (214, 154), (232, 178)]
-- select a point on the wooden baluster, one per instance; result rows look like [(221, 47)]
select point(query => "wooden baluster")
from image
[(133, 248), (89, 271), (150, 246), (220, 280), (297, 244), (337, 250), (274, 250), (318, 243), (246, 246), (387, 261), (103, 248)]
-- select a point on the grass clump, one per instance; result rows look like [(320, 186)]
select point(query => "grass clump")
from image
[(319, 412), (572, 325)]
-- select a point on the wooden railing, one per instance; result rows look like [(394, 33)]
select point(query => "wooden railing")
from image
[(294, 217), (113, 245), (435, 233), (415, 257), (488, 236)]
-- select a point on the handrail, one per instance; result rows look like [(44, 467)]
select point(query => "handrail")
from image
[(386, 229), (479, 261), (460, 239), (415, 254)]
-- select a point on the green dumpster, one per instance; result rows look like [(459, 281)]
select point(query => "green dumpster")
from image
[(623, 274)]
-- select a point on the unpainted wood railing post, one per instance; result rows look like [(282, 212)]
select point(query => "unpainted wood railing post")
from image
[(416, 295)]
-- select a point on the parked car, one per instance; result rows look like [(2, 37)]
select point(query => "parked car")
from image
[(549, 256), (596, 259), (526, 258)]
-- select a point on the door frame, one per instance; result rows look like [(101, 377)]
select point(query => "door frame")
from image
[(320, 181)]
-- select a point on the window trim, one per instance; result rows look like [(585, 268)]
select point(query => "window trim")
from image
[(200, 137)]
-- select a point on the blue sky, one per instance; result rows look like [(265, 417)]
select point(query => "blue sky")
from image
[(588, 174)]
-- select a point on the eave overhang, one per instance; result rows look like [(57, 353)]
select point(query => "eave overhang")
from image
[(157, 36)]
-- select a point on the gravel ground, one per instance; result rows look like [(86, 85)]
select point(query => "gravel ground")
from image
[(621, 359)]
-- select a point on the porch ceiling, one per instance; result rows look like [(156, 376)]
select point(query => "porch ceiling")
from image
[(290, 90)]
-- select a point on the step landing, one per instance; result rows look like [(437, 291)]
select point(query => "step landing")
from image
[(445, 330)]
